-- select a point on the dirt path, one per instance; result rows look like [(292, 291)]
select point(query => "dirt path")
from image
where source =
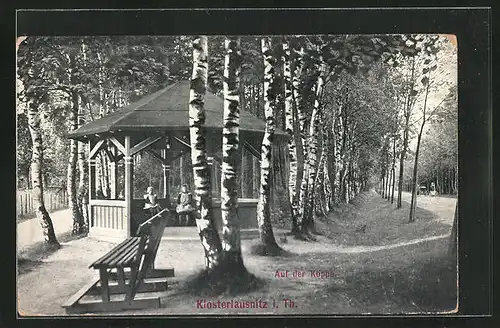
[(443, 207), (389, 267), (369, 249), (29, 232)]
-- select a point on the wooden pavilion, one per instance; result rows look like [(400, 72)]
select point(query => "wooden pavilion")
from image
[(158, 124)]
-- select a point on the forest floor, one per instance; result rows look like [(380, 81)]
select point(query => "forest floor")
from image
[(368, 259)]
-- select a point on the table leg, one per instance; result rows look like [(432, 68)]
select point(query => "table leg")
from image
[(103, 275)]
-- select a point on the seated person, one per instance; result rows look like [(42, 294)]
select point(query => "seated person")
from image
[(151, 205), (184, 206)]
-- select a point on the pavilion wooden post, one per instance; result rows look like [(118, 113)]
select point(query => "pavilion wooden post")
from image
[(166, 176), (181, 170), (166, 164), (113, 177), (91, 175), (93, 149), (128, 192)]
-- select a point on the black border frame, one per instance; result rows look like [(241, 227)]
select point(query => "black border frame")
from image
[(472, 26)]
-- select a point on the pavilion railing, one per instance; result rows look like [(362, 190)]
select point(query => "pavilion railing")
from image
[(107, 217)]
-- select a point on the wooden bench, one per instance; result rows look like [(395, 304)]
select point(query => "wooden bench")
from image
[(124, 270)]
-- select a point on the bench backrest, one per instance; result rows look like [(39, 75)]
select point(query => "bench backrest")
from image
[(152, 230)]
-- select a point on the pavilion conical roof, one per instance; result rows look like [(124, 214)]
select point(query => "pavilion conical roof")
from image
[(167, 110)]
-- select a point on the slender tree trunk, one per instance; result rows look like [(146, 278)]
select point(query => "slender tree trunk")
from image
[(105, 175), (231, 241), (413, 205), (386, 183), (443, 181), (319, 185), (331, 161), (83, 200), (407, 113), (83, 181), (451, 180), (389, 181), (438, 182), (297, 224), (393, 169), (82, 165), (78, 222), (384, 193), (344, 160), (327, 192), (414, 182), (100, 174), (445, 185), (263, 208), (292, 147), (312, 153), (207, 229), (37, 173)]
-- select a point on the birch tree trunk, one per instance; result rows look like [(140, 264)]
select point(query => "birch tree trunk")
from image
[(105, 174), (263, 207), (415, 165), (292, 147), (343, 159), (387, 188), (207, 229), (297, 98), (393, 169), (331, 161), (78, 222), (83, 182), (83, 200), (407, 113), (37, 174), (82, 164), (312, 153), (231, 242), (319, 185), (326, 169)]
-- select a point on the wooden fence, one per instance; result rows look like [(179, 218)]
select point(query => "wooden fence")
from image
[(55, 199)]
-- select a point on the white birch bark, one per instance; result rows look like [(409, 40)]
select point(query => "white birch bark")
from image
[(297, 97), (290, 129), (37, 174), (207, 229), (263, 207), (231, 242)]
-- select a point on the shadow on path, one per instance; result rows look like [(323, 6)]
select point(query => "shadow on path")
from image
[(31, 257)]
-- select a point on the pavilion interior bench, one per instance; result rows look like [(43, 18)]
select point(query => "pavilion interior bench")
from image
[(124, 271)]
